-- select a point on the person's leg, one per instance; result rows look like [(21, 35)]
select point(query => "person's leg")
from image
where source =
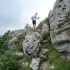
[(34, 24)]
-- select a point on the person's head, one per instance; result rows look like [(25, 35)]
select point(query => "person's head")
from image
[(36, 13)]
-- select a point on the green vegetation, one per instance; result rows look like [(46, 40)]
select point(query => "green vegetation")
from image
[(8, 61), (55, 59), (21, 37), (24, 67), (8, 58), (27, 59), (18, 47), (45, 35), (45, 21), (3, 42)]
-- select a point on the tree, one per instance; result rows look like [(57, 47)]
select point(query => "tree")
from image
[(27, 26)]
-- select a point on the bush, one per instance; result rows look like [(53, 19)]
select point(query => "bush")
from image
[(45, 35), (2, 46), (3, 42), (18, 47), (24, 67), (21, 37), (27, 59), (8, 61)]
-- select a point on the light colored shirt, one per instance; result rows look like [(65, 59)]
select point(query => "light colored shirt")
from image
[(34, 17)]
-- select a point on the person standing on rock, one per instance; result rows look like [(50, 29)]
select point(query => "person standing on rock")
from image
[(34, 17)]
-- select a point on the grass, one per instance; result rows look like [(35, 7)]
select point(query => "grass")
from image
[(55, 59), (45, 35)]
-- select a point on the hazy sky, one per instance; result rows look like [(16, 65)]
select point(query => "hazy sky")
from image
[(15, 14)]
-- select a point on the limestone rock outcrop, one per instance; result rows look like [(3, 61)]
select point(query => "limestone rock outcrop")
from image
[(45, 28), (17, 36), (34, 46), (31, 44), (14, 37), (59, 19)]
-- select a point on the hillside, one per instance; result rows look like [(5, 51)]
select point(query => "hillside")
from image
[(45, 48)]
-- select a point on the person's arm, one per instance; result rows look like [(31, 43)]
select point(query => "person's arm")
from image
[(37, 17)]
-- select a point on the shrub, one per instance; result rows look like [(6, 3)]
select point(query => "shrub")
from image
[(8, 61), (27, 59), (2, 45), (18, 47), (21, 37), (3, 41), (24, 67), (45, 35)]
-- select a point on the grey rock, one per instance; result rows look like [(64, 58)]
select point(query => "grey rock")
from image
[(31, 44), (45, 65), (35, 63), (13, 38), (45, 28), (43, 53), (13, 35), (68, 56), (59, 19)]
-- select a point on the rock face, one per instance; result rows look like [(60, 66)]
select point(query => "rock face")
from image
[(13, 38), (60, 25), (36, 47), (17, 36), (45, 28), (31, 44)]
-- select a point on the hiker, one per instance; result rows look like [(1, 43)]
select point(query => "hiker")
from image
[(34, 20)]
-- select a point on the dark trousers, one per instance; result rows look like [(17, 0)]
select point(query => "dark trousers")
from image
[(34, 22)]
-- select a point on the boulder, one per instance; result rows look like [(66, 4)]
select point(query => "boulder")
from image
[(31, 44), (35, 63)]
